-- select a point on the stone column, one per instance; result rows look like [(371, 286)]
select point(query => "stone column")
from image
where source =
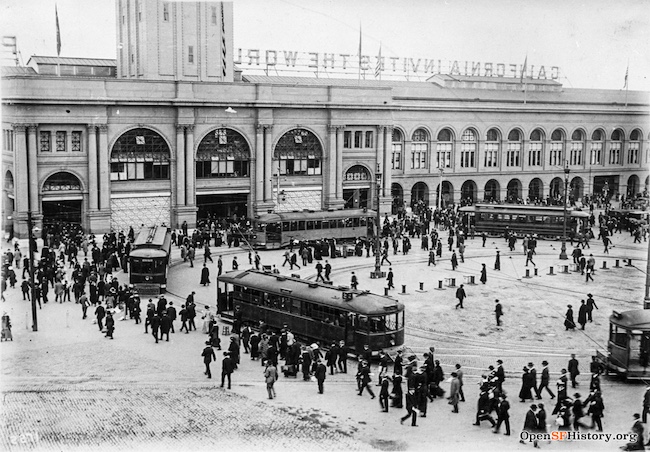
[(21, 168), (258, 175), (104, 170), (93, 200), (339, 163), (330, 185), (190, 188), (180, 165), (268, 165), (34, 205)]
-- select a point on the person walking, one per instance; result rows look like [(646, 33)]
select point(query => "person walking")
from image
[(319, 272), (165, 326), (354, 282), (411, 407), (459, 374), (207, 255), (574, 370), (454, 261), (100, 313), (227, 368), (498, 311), (384, 393), (483, 274), (171, 312), (343, 357), (183, 315), (497, 261), (6, 328), (460, 296), (155, 326), (582, 314), (384, 256), (389, 278), (646, 404), (208, 357), (219, 266), (454, 391), (529, 257), (591, 304), (544, 381), (205, 275), (503, 415), (569, 323), (270, 376), (321, 374), (85, 304), (110, 324), (363, 376), (190, 255), (328, 270), (530, 423), (293, 261)]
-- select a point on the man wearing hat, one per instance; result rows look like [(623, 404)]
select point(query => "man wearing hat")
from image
[(636, 443), (500, 374), (227, 368), (544, 382), (460, 296), (591, 304), (503, 415), (208, 357)]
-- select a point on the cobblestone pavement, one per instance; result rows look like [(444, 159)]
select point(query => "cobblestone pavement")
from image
[(77, 390)]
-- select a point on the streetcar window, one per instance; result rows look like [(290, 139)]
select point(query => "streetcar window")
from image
[(355, 222), (286, 226), (301, 225), (378, 324), (296, 306), (333, 224), (362, 322), (273, 301), (273, 227), (294, 225), (522, 219), (348, 222), (340, 223), (326, 224), (363, 221), (259, 227), (310, 225), (619, 337), (318, 224), (391, 322)]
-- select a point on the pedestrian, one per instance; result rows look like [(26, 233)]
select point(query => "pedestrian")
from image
[(498, 311), (100, 313), (343, 357), (544, 382), (484, 407), (638, 437), (227, 368), (591, 304), (191, 314), (561, 391), (389, 278), (155, 326), (574, 371), (354, 282), (165, 326), (460, 296), (569, 324), (530, 423), (459, 374), (411, 407), (270, 377), (527, 385), (384, 393), (646, 404), (319, 272), (205, 275), (589, 273), (595, 409), (183, 315), (461, 251), (171, 312), (483, 274), (207, 255), (529, 257), (6, 328), (582, 314), (293, 261), (208, 357), (578, 412), (500, 375), (503, 415), (454, 392), (454, 261), (363, 376), (331, 356), (235, 264), (110, 325), (321, 374), (384, 257), (190, 255), (497, 261), (328, 270), (258, 261)]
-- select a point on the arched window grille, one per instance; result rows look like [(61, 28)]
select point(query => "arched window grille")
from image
[(223, 153), (140, 154), (299, 153)]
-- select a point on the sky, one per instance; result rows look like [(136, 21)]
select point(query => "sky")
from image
[(593, 42)]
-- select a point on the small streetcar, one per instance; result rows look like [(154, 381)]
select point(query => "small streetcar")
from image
[(149, 259), (628, 347), (313, 311)]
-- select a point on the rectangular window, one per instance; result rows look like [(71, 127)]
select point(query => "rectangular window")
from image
[(369, 139), (535, 153), (118, 171), (555, 154), (514, 150), (596, 153), (60, 141), (190, 54), (467, 155), (443, 155), (491, 154), (575, 157), (214, 15), (45, 141), (633, 153), (615, 153), (76, 141), (419, 155), (358, 139), (166, 11), (397, 155), (347, 139)]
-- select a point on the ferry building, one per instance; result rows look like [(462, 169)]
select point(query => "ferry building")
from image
[(175, 130)]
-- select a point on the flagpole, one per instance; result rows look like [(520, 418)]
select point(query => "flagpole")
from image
[(627, 71), (58, 41), (360, 34)]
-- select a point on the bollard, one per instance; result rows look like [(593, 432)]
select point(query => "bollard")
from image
[(527, 273), (439, 287), (604, 265), (617, 264), (403, 288), (565, 269), (452, 282), (421, 286), (535, 272), (385, 291), (629, 262), (550, 271)]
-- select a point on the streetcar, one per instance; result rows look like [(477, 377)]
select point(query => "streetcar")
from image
[(276, 230), (149, 259), (313, 311), (545, 221), (628, 347)]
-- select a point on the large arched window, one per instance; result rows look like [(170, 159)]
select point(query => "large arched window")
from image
[(468, 149), (419, 149), (596, 148), (577, 147), (535, 148), (222, 153), (514, 148), (615, 147), (492, 143), (140, 154), (444, 148), (633, 147), (556, 151), (396, 149), (62, 181), (299, 153)]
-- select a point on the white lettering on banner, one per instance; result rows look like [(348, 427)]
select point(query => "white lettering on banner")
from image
[(295, 60)]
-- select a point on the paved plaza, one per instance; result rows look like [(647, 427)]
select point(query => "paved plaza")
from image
[(67, 387)]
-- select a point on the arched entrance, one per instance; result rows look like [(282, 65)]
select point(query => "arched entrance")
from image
[(62, 200), (468, 192), (8, 203), (140, 180), (514, 191), (556, 191), (397, 194), (576, 189), (492, 191), (419, 195), (535, 190), (447, 193), (632, 186), (356, 187)]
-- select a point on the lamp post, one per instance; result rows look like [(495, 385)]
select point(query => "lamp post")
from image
[(377, 273), (563, 255), (31, 230)]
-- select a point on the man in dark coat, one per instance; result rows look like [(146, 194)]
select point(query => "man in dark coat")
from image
[(363, 376), (582, 314), (544, 381), (389, 278), (384, 393), (171, 312), (155, 326), (573, 370), (227, 368), (110, 325), (233, 350), (483, 409), (460, 296), (100, 312), (497, 261), (165, 325), (500, 375), (343, 357), (498, 312), (205, 275), (591, 304), (208, 357), (483, 274), (411, 406), (321, 373), (530, 423), (503, 415)]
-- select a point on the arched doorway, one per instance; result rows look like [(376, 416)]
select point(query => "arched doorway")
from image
[(397, 194), (492, 191), (468, 192), (514, 191), (632, 186), (222, 154), (535, 191), (140, 180), (556, 191), (447, 193), (62, 200), (8, 203), (419, 195), (356, 187), (576, 189)]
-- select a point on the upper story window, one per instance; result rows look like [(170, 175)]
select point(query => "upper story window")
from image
[(492, 145), (419, 149), (596, 148), (535, 148), (615, 146), (62, 181), (358, 139), (577, 147), (190, 54), (468, 149), (396, 149), (444, 148), (8, 140), (633, 147), (140, 154), (556, 151), (76, 141), (513, 155), (299, 153), (223, 153), (60, 141), (45, 141), (166, 11)]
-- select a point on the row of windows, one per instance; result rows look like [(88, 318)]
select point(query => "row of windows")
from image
[(358, 139), (59, 142), (309, 225)]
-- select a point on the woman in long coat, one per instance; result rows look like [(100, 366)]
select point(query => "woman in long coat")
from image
[(205, 275), (527, 384), (569, 323), (483, 274)]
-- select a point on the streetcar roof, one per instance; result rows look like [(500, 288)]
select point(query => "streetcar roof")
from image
[(317, 215), (148, 253), (632, 320), (364, 303), (522, 209), (155, 237)]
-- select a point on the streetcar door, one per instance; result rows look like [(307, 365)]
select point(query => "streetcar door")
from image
[(350, 327)]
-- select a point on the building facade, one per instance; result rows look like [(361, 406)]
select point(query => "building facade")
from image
[(143, 147)]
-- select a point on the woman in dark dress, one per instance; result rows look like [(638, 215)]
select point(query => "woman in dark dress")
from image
[(569, 323), (527, 384), (483, 274), (205, 275)]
